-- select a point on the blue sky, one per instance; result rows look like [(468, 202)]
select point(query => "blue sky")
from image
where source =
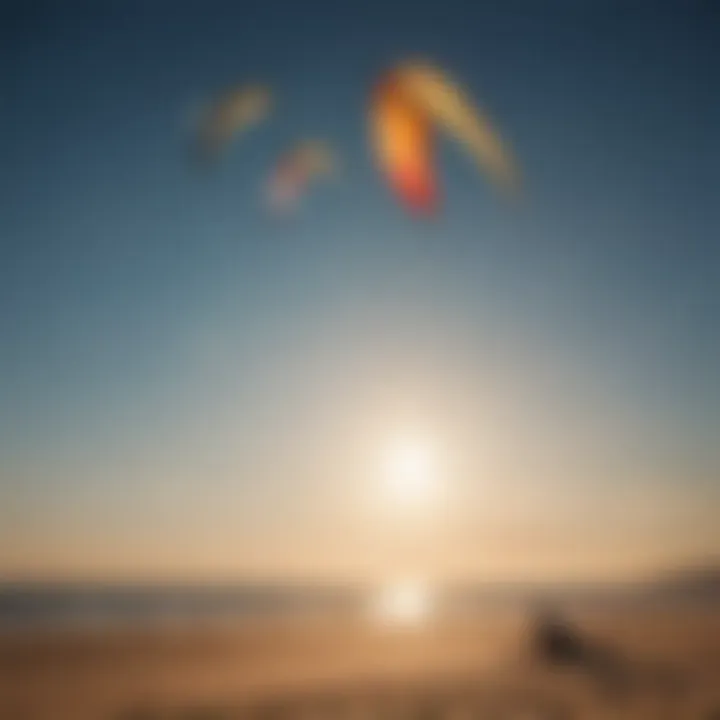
[(174, 363)]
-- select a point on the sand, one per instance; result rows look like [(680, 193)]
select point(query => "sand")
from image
[(337, 667)]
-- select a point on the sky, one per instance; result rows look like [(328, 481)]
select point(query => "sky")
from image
[(191, 387)]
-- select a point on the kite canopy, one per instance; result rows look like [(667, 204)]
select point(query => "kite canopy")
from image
[(407, 104), (232, 113), (296, 170), (403, 146)]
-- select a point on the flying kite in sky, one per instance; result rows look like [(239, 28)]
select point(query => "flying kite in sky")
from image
[(407, 105), (296, 170), (233, 112)]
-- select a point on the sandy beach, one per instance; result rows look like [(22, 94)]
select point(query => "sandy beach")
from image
[(478, 666)]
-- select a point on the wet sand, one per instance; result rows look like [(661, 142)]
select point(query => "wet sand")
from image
[(337, 667)]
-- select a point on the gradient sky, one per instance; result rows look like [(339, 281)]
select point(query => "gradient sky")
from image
[(189, 387)]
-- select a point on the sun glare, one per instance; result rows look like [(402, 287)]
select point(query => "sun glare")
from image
[(402, 604), (410, 472)]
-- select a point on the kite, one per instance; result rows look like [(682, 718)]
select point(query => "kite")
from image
[(296, 169), (407, 105), (232, 113)]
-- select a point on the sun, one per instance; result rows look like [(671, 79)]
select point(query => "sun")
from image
[(410, 474)]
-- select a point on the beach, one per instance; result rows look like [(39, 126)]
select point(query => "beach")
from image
[(327, 665)]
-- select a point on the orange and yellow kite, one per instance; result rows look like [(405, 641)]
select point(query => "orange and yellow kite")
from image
[(406, 106)]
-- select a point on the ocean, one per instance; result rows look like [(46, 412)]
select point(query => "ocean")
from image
[(41, 606)]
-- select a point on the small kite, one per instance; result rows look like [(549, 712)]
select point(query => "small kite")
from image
[(295, 170), (406, 105), (233, 112)]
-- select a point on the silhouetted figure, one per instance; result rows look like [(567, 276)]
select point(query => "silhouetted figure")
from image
[(558, 643)]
